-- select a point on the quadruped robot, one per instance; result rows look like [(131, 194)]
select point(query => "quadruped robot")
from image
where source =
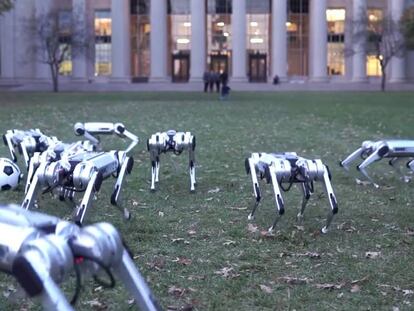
[(26, 143), (75, 170), (373, 151), (171, 141), (289, 168), (41, 251)]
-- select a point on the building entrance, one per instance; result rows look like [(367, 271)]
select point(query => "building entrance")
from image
[(180, 67), (258, 67), (219, 63)]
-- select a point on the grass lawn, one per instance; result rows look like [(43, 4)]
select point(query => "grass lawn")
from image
[(198, 250)]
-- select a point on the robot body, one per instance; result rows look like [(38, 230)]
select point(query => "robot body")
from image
[(373, 151), (171, 141), (288, 168)]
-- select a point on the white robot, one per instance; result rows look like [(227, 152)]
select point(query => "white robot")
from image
[(80, 173), (288, 168), (27, 143), (90, 129), (171, 141), (372, 151), (41, 251)]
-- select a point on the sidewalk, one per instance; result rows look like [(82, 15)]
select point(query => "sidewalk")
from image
[(198, 87)]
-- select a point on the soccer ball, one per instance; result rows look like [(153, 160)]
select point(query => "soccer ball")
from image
[(9, 174)]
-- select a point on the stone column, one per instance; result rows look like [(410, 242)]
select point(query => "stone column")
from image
[(397, 63), (158, 41), (7, 45), (279, 40), (198, 40), (121, 42), (238, 27), (359, 67), (83, 33), (42, 9), (318, 41)]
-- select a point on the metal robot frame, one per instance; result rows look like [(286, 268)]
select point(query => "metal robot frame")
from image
[(373, 151), (82, 172), (171, 141), (27, 143), (40, 251), (90, 129), (289, 168)]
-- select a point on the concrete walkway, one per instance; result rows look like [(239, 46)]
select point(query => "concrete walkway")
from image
[(196, 87)]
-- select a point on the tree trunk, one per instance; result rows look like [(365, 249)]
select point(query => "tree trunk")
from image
[(383, 78), (55, 77)]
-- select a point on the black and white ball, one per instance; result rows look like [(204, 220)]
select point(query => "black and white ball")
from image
[(9, 174)]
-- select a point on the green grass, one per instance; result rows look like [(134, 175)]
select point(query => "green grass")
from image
[(212, 227)]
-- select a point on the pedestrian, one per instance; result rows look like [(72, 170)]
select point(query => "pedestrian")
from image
[(217, 81), (224, 78), (225, 92), (206, 80), (211, 80)]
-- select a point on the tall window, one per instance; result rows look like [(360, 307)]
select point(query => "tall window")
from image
[(258, 25), (219, 34), (65, 31), (336, 41), (103, 46), (375, 17), (140, 39), (298, 37), (180, 24)]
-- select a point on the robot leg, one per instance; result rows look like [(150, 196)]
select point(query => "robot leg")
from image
[(256, 190), (280, 205), (306, 195), (126, 168), (332, 201), (93, 186), (192, 168), (375, 156), (394, 162), (352, 157)]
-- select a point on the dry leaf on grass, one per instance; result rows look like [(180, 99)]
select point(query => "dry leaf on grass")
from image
[(96, 304), (215, 190), (179, 240), (266, 289), (227, 272), (355, 288), (372, 255), (191, 232), (346, 226), (252, 228), (330, 286), (294, 281), (157, 264), (183, 261), (229, 242)]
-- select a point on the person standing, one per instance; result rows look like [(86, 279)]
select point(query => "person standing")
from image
[(217, 81), (211, 80), (206, 80), (224, 78)]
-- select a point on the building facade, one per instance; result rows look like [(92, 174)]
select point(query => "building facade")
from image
[(178, 40)]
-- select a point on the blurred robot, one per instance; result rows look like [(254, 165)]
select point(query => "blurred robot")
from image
[(372, 151), (171, 141), (288, 168), (41, 251)]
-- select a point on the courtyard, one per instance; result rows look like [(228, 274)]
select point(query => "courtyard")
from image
[(197, 250)]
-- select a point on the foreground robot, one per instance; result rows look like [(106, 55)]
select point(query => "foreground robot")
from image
[(175, 142), (41, 251), (288, 168), (27, 143), (74, 168), (372, 151), (81, 173)]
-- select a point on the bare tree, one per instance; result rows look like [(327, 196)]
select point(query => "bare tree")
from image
[(57, 38), (5, 5), (381, 37)]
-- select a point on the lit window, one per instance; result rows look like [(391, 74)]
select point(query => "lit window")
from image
[(336, 41), (65, 49), (103, 45)]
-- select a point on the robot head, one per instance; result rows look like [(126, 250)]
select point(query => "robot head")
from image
[(10, 174)]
